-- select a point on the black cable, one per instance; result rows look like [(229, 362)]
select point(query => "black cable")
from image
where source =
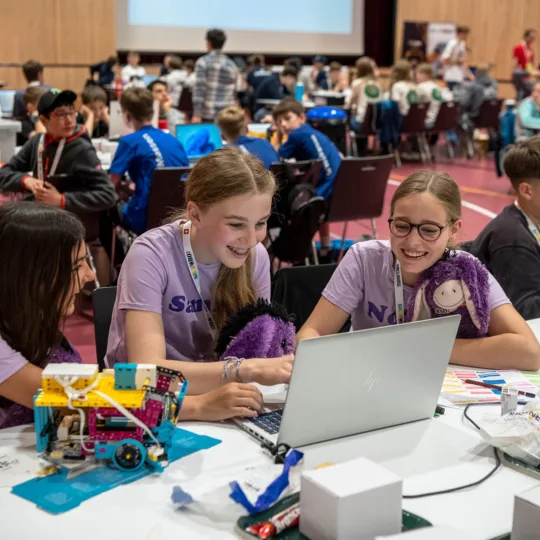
[(498, 463), (469, 418)]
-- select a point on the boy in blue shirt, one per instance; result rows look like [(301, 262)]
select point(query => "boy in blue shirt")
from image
[(305, 142), (140, 153), (232, 124)]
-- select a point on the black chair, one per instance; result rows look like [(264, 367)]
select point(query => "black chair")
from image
[(295, 241), (414, 125), (289, 176), (166, 194), (447, 120), (103, 300), (359, 191), (298, 290), (185, 103), (488, 118)]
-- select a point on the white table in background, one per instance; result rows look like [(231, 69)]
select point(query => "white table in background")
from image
[(430, 455)]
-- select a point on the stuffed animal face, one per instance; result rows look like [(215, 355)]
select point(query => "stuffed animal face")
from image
[(261, 330), (448, 296)]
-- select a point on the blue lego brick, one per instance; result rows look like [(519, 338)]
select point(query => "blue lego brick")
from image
[(125, 376)]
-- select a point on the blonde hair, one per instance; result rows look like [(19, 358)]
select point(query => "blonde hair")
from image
[(225, 173), (401, 71), (437, 183), (426, 69), (232, 122)]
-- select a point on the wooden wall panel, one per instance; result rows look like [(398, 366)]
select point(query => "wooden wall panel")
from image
[(77, 32), (496, 25)]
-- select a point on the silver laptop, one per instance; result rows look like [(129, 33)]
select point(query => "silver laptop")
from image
[(351, 383)]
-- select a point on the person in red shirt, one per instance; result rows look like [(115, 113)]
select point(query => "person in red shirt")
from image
[(523, 53)]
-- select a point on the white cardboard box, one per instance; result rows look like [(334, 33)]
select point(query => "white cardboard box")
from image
[(439, 532), (526, 525), (355, 500)]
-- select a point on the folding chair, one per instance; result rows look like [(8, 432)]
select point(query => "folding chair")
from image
[(166, 194), (295, 240), (488, 118), (298, 289), (414, 124), (103, 300), (289, 175), (359, 191), (447, 120)]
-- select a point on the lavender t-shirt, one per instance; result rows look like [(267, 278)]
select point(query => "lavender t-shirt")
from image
[(363, 285), (155, 277), (11, 361)]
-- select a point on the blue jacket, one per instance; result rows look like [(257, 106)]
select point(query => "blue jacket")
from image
[(139, 154), (257, 76), (307, 143), (271, 88), (260, 148)]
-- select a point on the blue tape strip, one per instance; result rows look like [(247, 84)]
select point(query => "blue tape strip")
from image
[(273, 491)]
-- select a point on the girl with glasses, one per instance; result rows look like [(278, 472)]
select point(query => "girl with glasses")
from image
[(425, 222)]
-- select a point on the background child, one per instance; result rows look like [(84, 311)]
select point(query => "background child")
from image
[(508, 246), (132, 73), (365, 90), (402, 88), (430, 92), (305, 142), (141, 152), (166, 307), (232, 124), (42, 268), (189, 68), (175, 79), (425, 221), (30, 123), (337, 83), (94, 113), (166, 110), (278, 86)]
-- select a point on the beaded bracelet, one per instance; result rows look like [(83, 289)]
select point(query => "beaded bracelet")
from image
[(235, 363)]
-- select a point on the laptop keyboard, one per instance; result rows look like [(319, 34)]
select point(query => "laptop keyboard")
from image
[(269, 422)]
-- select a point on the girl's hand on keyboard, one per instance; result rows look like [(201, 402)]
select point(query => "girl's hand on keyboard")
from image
[(267, 371), (229, 401)]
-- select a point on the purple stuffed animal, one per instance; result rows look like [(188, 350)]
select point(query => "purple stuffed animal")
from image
[(260, 330), (456, 285)]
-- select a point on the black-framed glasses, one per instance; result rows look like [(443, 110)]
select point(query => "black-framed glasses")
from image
[(427, 231)]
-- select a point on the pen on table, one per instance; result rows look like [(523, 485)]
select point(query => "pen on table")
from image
[(497, 387)]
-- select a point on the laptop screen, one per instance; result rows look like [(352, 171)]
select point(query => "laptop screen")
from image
[(199, 140), (7, 97)]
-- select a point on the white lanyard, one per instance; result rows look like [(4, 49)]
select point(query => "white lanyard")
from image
[(532, 227), (194, 271), (56, 160), (398, 292)]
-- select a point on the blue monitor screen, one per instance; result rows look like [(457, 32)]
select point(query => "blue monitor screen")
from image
[(199, 140), (6, 101)]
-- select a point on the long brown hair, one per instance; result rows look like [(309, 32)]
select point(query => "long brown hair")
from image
[(225, 173), (36, 272), (401, 71), (439, 184), (364, 68)]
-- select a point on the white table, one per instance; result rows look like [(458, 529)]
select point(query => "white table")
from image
[(429, 455)]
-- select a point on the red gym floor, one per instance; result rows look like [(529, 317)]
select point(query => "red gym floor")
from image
[(483, 196)]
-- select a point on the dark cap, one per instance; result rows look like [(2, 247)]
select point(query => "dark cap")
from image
[(55, 98), (320, 58)]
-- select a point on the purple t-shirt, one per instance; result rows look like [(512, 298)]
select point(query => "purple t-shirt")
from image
[(155, 277), (11, 361), (363, 285)]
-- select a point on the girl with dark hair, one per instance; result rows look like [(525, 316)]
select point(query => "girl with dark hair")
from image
[(42, 267)]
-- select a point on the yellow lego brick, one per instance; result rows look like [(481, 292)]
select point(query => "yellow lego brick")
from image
[(131, 399)]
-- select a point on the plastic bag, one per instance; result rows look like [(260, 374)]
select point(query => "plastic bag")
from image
[(516, 433)]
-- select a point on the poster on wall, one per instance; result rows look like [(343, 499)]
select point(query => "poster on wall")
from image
[(425, 42)]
